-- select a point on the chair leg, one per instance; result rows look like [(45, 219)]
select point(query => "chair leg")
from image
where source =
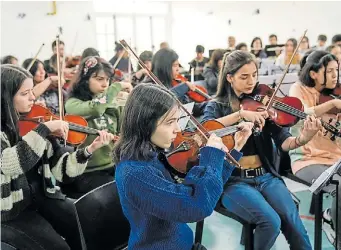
[(248, 237), (199, 231), (312, 205), (243, 236), (318, 220)]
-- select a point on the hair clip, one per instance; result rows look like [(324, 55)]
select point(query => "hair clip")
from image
[(90, 63)]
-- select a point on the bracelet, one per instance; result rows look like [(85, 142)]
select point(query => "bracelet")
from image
[(298, 142), (86, 152), (239, 116)]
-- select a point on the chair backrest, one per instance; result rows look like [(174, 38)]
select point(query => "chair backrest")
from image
[(103, 222), (6, 246)]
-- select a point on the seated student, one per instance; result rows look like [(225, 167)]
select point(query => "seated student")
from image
[(89, 52), (284, 58), (45, 88), (198, 63), (94, 98), (257, 48), (321, 42), (165, 66), (257, 192), (122, 56), (304, 46), (61, 46), (141, 74), (336, 40), (335, 50), (273, 49), (242, 47), (34, 212), (9, 60), (319, 72), (157, 204), (211, 71)]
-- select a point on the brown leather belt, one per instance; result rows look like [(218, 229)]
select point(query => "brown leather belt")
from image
[(250, 162)]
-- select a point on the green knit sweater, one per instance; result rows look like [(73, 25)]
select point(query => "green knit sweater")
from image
[(102, 113)]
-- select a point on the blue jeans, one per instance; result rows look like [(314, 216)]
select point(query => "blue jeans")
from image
[(266, 202)]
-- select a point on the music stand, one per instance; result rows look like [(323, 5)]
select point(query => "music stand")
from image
[(324, 179), (184, 118)]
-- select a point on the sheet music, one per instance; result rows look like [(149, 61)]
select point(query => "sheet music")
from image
[(321, 181), (184, 118)]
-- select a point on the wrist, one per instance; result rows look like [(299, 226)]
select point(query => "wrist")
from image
[(299, 141), (240, 115), (89, 150)]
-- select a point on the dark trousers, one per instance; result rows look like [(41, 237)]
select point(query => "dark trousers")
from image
[(88, 182), (44, 227)]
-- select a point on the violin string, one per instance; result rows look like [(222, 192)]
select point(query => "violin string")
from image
[(302, 115)]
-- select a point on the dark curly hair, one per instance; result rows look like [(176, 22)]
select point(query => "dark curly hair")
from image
[(80, 86)]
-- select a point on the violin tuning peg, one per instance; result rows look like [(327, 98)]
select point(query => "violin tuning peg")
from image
[(330, 120), (333, 138), (337, 124)]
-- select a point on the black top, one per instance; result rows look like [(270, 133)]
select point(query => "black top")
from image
[(262, 144)]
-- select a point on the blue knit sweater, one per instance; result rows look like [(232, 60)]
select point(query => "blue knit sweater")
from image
[(158, 208)]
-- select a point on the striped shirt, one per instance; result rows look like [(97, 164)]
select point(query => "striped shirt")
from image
[(16, 161)]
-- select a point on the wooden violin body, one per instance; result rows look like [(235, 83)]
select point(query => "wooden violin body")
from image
[(330, 94), (283, 110), (78, 126), (199, 95), (186, 145)]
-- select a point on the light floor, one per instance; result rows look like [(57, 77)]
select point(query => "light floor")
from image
[(222, 233)]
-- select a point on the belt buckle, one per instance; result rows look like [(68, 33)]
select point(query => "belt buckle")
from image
[(247, 173)]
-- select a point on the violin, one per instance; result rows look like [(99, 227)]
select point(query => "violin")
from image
[(199, 95), (330, 94), (284, 111), (73, 61), (78, 126), (118, 75), (204, 134), (186, 145)]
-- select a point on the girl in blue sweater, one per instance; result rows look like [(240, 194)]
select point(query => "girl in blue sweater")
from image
[(157, 204)]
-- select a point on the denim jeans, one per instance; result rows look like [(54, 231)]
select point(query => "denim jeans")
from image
[(266, 202)]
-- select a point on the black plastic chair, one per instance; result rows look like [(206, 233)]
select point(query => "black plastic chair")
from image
[(6, 246), (103, 223)]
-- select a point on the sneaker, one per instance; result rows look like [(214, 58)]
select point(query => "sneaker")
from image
[(328, 228)]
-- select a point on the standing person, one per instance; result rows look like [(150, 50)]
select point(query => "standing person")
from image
[(198, 63)]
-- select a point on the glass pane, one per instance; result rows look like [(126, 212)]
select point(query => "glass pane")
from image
[(110, 45), (124, 27), (143, 34), (130, 6), (100, 24), (159, 32), (102, 45)]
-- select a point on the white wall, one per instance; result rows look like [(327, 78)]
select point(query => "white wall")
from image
[(192, 23), (23, 37)]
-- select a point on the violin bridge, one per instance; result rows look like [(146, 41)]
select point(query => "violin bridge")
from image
[(265, 100)]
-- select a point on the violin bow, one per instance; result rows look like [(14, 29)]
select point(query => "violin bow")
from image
[(284, 73), (60, 93), (35, 58), (156, 80), (117, 61)]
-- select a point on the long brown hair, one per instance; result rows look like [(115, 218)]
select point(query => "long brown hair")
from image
[(231, 64)]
